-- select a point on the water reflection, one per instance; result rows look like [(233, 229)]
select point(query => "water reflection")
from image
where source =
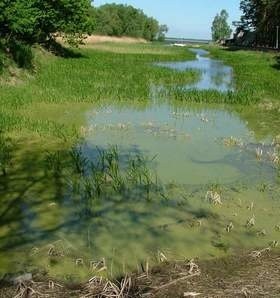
[(214, 74)]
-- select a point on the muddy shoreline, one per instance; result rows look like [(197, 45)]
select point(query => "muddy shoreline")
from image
[(247, 274)]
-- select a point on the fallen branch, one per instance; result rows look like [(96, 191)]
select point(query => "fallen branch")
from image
[(175, 281)]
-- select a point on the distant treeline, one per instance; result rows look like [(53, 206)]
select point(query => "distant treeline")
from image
[(125, 20), (262, 17), (24, 23)]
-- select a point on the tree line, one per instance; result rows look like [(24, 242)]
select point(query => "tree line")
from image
[(263, 17), (125, 20), (27, 22)]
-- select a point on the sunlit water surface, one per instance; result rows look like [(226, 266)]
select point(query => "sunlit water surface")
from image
[(214, 74)]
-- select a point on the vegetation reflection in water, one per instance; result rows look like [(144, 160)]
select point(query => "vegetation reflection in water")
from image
[(177, 181), (215, 75)]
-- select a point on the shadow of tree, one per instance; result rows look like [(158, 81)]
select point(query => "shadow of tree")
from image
[(62, 51), (277, 64)]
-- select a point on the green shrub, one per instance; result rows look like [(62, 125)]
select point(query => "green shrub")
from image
[(22, 54)]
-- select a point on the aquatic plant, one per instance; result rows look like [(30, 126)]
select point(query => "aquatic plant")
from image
[(251, 222), (213, 198), (79, 160), (54, 163), (229, 227), (232, 142), (259, 153)]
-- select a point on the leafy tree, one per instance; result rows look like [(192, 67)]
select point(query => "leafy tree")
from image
[(163, 29), (34, 21), (125, 20), (262, 16), (220, 27)]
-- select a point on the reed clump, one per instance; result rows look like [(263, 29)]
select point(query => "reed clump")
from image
[(108, 176)]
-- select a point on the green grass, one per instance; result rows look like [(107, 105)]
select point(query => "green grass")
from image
[(91, 75), (37, 101), (256, 73)]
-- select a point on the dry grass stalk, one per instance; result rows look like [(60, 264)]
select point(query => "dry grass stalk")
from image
[(229, 227), (176, 281), (213, 197), (259, 253), (251, 222), (103, 288)]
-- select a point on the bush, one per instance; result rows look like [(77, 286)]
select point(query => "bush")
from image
[(22, 54)]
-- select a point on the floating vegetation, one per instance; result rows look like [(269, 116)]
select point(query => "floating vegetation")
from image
[(232, 142), (213, 197), (262, 233), (251, 222), (229, 227), (259, 153)]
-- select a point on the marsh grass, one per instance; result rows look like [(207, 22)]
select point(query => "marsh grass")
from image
[(109, 176), (255, 74), (181, 93), (119, 73), (90, 76)]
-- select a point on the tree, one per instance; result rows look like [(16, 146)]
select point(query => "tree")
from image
[(220, 27), (163, 29), (32, 21), (261, 16), (126, 20)]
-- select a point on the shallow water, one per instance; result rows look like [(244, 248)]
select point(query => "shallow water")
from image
[(192, 149), (215, 75)]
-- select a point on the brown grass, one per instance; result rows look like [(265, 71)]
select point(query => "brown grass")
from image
[(93, 39)]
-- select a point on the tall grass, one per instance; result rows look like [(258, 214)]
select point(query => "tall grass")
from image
[(108, 176), (91, 75)]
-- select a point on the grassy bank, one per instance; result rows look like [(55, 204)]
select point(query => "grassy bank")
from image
[(256, 73), (123, 73), (36, 100)]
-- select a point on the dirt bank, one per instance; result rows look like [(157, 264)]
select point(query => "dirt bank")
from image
[(249, 275)]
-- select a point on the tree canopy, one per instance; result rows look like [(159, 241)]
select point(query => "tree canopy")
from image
[(33, 21), (261, 16), (125, 20), (220, 27)]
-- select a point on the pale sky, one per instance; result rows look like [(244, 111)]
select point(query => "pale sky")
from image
[(184, 18)]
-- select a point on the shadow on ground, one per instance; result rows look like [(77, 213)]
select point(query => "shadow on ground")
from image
[(277, 64)]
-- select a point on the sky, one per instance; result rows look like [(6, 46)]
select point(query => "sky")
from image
[(184, 18)]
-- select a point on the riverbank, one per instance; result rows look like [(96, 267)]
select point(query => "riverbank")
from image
[(254, 274), (258, 71)]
